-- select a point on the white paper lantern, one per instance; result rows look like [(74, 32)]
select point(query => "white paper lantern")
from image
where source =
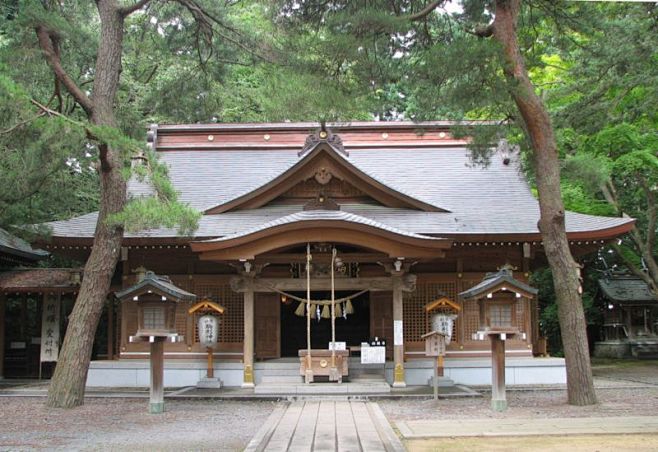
[(442, 323), (208, 330)]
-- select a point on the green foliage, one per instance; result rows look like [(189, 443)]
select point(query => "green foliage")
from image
[(162, 209), (46, 163), (549, 324)]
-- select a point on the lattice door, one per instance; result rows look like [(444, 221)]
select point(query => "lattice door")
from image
[(416, 320)]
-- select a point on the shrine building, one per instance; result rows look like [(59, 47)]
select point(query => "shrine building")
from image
[(411, 220)]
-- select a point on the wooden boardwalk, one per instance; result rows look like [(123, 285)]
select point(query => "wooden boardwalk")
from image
[(326, 425)]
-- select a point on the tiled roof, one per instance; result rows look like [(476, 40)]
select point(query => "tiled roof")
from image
[(487, 201), (323, 215), (18, 248), (626, 289), (160, 283), (35, 279), (493, 280), (453, 224)]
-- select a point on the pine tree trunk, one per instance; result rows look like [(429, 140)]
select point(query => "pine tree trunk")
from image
[(68, 383), (538, 125)]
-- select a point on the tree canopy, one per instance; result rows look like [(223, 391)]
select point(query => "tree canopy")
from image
[(573, 84)]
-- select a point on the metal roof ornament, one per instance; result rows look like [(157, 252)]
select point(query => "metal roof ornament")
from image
[(323, 135)]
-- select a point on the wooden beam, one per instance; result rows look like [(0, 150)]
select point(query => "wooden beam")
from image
[(378, 283), (290, 258)]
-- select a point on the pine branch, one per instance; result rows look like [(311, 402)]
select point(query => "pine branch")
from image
[(50, 111), (48, 43), (127, 10), (20, 124), (425, 11)]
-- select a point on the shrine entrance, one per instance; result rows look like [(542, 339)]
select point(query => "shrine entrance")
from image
[(351, 328)]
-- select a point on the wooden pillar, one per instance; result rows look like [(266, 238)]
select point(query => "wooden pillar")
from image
[(156, 402), (210, 373), (248, 350), (498, 397), (3, 302), (398, 334)]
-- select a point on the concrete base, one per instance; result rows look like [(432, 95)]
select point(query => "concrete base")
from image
[(443, 382), (499, 405), (209, 383), (178, 373), (612, 349), (156, 408)]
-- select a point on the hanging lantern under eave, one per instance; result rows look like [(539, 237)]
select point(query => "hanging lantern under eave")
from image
[(208, 327)]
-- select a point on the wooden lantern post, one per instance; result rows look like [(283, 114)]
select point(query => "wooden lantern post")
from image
[(445, 307), (435, 345), (156, 299), (497, 296), (207, 307)]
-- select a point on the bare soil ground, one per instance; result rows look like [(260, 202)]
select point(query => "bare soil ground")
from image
[(575, 443), (624, 389)]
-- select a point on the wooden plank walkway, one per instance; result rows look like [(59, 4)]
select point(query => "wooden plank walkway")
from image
[(326, 425)]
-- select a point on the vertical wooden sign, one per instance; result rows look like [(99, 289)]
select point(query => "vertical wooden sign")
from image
[(50, 328)]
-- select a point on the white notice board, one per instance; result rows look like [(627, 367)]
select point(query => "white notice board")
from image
[(373, 355)]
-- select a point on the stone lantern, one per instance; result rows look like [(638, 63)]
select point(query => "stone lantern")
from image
[(497, 296), (156, 299)]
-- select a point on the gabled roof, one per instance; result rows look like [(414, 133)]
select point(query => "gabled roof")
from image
[(161, 285), (626, 290), (501, 280), (323, 154), (214, 165)]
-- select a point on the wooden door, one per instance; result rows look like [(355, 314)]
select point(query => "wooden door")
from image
[(381, 318), (267, 328)]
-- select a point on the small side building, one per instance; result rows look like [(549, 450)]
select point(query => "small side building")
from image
[(630, 318)]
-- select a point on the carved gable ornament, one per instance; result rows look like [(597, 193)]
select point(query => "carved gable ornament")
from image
[(323, 135), (323, 176)]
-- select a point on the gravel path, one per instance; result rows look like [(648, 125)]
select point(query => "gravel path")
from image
[(220, 425), (544, 403), (123, 424)]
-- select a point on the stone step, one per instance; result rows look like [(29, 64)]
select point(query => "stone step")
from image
[(281, 379), (645, 348), (351, 388)]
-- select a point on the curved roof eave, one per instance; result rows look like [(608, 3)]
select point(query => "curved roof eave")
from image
[(334, 226)]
